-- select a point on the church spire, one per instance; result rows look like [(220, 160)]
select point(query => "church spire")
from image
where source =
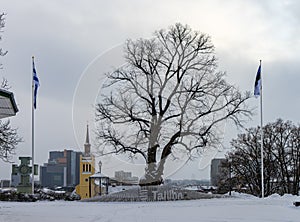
[(87, 139), (87, 145)]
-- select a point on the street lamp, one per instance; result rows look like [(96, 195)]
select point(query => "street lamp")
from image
[(230, 188), (100, 165)]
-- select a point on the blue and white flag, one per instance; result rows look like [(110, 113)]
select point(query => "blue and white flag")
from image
[(257, 85), (35, 84)]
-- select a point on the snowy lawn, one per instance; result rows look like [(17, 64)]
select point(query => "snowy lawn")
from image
[(242, 208)]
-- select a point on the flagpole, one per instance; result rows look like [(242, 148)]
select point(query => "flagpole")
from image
[(262, 137), (32, 132)]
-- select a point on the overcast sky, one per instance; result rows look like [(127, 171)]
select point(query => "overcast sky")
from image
[(67, 38)]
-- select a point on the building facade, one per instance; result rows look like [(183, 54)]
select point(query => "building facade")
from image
[(125, 178), (215, 171), (86, 169), (4, 183), (62, 169)]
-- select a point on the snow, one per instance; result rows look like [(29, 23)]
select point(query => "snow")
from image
[(242, 195), (239, 208), (117, 189)]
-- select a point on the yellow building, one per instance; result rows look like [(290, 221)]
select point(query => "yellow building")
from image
[(87, 169)]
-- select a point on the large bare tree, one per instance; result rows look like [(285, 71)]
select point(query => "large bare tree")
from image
[(168, 98)]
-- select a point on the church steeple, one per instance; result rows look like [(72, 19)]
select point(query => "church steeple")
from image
[(86, 168), (87, 138), (87, 145)]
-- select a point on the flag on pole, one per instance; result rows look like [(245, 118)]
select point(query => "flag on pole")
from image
[(257, 85), (35, 84)]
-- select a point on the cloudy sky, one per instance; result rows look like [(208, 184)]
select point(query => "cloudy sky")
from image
[(68, 38)]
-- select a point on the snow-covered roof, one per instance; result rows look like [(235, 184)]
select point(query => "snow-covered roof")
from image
[(8, 105), (99, 175)]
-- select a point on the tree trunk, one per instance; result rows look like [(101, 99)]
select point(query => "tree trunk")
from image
[(153, 176)]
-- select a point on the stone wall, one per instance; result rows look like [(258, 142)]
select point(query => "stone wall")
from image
[(153, 193)]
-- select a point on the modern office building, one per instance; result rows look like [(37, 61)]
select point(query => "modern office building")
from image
[(62, 169), (215, 171)]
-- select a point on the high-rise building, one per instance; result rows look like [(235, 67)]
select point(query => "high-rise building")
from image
[(215, 171), (62, 169), (87, 169)]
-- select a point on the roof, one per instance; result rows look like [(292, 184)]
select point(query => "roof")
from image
[(99, 175), (8, 106)]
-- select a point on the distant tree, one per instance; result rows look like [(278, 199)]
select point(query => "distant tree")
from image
[(168, 98), (9, 138), (281, 159)]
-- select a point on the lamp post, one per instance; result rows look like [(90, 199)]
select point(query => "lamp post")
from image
[(100, 179), (100, 165), (230, 188)]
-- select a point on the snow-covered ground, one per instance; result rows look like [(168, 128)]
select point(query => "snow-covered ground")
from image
[(242, 208)]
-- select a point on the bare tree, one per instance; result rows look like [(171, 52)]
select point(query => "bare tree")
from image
[(168, 98), (245, 161), (281, 159), (9, 138), (2, 24)]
